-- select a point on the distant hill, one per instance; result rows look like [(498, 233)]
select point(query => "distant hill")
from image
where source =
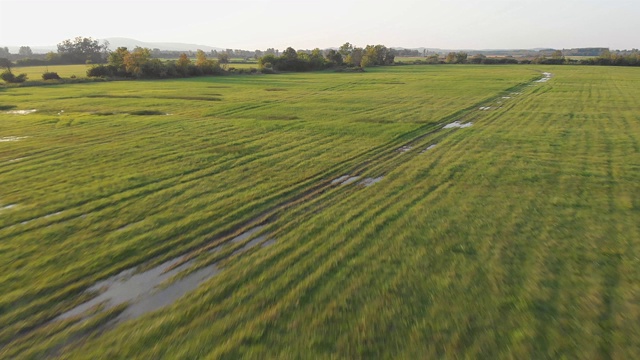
[(132, 43)]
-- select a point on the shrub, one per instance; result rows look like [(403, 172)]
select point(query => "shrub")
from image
[(50, 76), (10, 78)]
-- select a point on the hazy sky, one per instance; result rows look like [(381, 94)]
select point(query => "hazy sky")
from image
[(258, 24)]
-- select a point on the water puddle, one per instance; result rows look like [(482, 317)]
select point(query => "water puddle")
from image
[(16, 159), (351, 180), (484, 108), (148, 290), (371, 181), (546, 77), (21, 112), (250, 244), (127, 286), (52, 215), (8, 207), (345, 180), (123, 228), (42, 217), (404, 149), (268, 243), (506, 97), (428, 148), (457, 124), (166, 296), (340, 179), (245, 235), (12, 138)]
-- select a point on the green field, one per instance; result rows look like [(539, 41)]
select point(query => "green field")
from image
[(516, 237), (65, 71)]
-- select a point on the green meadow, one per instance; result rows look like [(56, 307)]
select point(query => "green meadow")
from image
[(514, 234), (65, 71)]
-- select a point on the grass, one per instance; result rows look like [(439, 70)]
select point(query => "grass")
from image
[(514, 238), (65, 71)]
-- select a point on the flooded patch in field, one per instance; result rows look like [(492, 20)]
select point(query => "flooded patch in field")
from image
[(485, 108), (545, 78), (42, 217), (123, 228), (168, 295), (21, 112), (16, 159), (340, 179), (52, 215), (251, 244), (428, 148), (12, 138), (268, 243), (127, 286), (457, 124), (345, 180), (247, 234), (351, 180), (506, 97), (8, 207), (150, 290), (404, 149), (371, 181)]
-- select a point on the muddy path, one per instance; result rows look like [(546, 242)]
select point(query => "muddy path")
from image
[(150, 286)]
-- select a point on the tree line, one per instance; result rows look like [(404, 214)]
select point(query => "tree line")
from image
[(141, 63), (138, 63), (347, 55)]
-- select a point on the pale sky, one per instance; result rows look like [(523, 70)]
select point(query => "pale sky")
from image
[(259, 24)]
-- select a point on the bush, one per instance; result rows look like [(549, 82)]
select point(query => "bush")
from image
[(50, 76), (101, 71), (8, 76)]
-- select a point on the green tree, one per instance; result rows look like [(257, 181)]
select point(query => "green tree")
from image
[(6, 63), (461, 57), (201, 58), (183, 64), (316, 59), (334, 57), (52, 57), (451, 58), (355, 58), (346, 49), (25, 51), (223, 58), (136, 60), (81, 50), (290, 54), (116, 58), (206, 66), (183, 60)]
